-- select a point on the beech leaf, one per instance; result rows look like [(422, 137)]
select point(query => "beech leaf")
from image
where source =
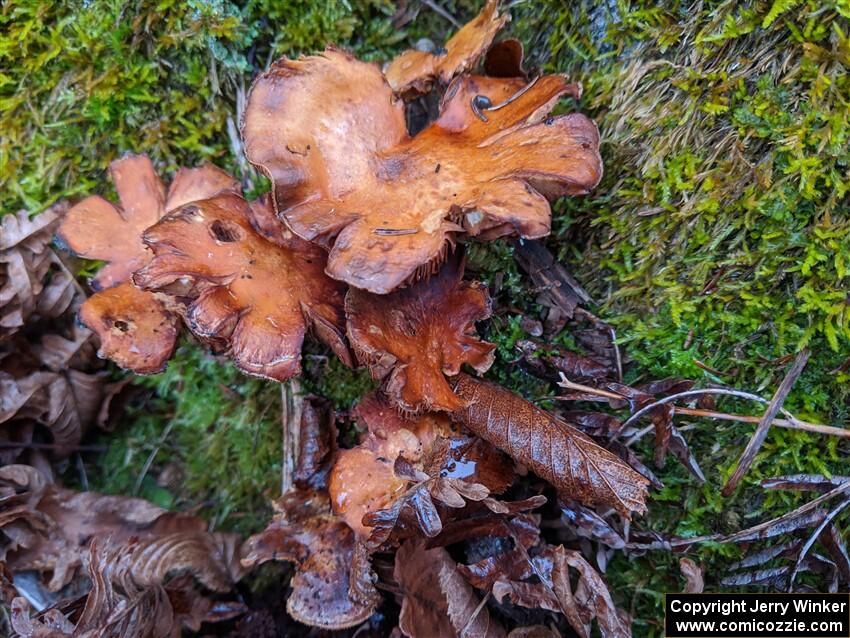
[(555, 451), (437, 601)]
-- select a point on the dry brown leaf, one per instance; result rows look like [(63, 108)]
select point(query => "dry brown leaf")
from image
[(256, 296), (436, 600), (138, 330), (41, 394), (513, 563), (589, 599), (555, 451), (414, 72), (306, 532), (49, 529), (119, 606), (535, 631), (388, 206), (592, 596), (34, 284), (411, 338)]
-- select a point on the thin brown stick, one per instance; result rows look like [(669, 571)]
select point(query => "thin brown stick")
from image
[(782, 423), (770, 413), (290, 417), (571, 385), (694, 393)]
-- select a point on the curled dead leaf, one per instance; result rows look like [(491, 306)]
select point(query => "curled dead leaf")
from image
[(49, 529), (43, 397), (414, 72), (34, 283), (555, 451), (119, 607), (388, 206), (255, 295), (588, 599), (413, 337), (436, 600)]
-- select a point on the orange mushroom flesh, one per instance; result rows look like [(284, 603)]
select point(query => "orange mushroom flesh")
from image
[(137, 330), (415, 336), (414, 72), (255, 293), (388, 206)]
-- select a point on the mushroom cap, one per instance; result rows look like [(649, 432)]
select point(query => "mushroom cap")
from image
[(330, 135), (363, 478), (97, 229), (256, 296), (414, 72), (137, 330), (306, 532), (415, 336)]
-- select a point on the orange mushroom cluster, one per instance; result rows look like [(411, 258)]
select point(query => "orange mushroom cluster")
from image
[(360, 243)]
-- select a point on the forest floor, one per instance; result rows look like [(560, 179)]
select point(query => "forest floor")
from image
[(716, 245)]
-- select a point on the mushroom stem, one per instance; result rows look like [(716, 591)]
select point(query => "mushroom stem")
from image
[(291, 405)]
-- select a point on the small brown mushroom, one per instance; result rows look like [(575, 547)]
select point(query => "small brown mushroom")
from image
[(403, 466), (413, 337), (137, 329), (363, 479), (306, 532), (413, 72), (387, 205), (255, 292)]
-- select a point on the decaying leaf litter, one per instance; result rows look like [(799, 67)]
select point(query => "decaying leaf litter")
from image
[(445, 453)]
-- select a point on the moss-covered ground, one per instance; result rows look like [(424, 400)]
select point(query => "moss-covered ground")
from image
[(717, 243)]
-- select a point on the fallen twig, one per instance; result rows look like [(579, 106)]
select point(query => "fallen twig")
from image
[(781, 423), (773, 408), (693, 393)]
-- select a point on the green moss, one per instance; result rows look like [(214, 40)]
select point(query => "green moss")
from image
[(199, 436), (328, 377), (723, 212)]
